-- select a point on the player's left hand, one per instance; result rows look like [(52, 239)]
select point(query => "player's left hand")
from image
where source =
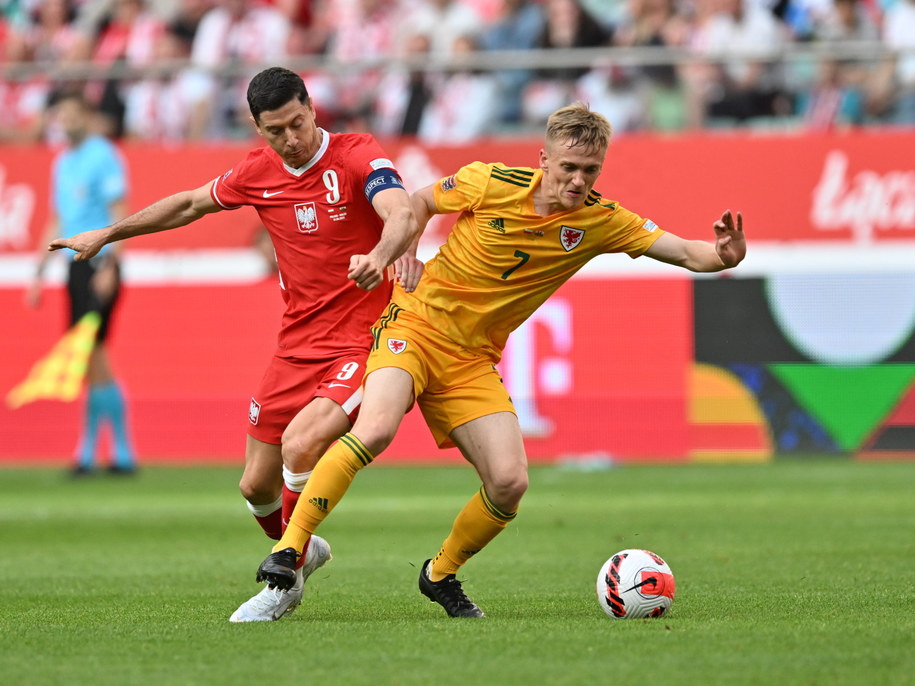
[(365, 271), (730, 243), (408, 270)]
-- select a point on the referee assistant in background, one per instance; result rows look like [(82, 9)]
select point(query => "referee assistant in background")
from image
[(88, 190)]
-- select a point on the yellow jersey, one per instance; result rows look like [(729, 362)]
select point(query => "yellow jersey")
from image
[(502, 260)]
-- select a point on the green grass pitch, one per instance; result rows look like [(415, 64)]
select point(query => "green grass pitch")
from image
[(797, 572)]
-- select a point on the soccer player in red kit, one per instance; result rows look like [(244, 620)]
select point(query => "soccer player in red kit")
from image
[(339, 218)]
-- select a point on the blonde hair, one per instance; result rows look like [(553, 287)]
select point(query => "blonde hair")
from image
[(578, 125)]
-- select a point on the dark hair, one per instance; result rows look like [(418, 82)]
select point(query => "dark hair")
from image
[(65, 93), (273, 88)]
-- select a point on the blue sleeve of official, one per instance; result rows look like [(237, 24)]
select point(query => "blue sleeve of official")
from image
[(113, 176)]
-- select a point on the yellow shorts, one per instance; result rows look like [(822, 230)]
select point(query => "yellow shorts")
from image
[(452, 386)]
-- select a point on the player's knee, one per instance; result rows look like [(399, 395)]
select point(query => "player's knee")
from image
[(248, 490), (376, 435), (301, 452), (506, 490), (255, 491)]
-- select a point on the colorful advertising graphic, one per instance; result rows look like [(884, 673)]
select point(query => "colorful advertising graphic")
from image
[(826, 364)]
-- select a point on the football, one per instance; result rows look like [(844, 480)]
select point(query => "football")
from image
[(634, 584)]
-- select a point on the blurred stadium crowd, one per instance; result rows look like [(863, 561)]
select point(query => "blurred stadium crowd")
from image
[(449, 71)]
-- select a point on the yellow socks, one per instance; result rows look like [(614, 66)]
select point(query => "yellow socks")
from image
[(332, 475), (476, 525)]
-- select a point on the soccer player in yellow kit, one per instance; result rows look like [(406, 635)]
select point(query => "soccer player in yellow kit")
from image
[(521, 234)]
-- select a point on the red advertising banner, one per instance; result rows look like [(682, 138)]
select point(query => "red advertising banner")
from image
[(857, 188)]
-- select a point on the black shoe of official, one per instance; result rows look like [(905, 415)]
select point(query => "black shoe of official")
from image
[(448, 593), (122, 470), (278, 570)]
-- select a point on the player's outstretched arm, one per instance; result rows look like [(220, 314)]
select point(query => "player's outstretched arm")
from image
[(728, 250), (169, 213), (393, 206)]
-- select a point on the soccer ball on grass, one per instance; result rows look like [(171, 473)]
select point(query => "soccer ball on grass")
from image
[(634, 584)]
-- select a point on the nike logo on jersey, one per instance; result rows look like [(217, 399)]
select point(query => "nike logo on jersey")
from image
[(334, 385), (268, 194)]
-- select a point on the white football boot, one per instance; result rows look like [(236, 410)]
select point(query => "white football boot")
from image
[(272, 603)]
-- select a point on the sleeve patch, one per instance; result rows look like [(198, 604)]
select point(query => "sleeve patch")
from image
[(650, 226), (381, 163), (449, 183)]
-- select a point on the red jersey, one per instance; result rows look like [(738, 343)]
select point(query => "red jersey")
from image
[(318, 216)]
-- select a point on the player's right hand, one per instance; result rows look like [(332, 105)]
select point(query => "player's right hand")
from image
[(365, 272), (86, 245)]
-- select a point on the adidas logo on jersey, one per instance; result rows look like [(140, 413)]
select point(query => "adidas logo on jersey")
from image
[(498, 225), (320, 503)]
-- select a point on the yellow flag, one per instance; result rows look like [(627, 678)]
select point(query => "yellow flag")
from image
[(59, 374)]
